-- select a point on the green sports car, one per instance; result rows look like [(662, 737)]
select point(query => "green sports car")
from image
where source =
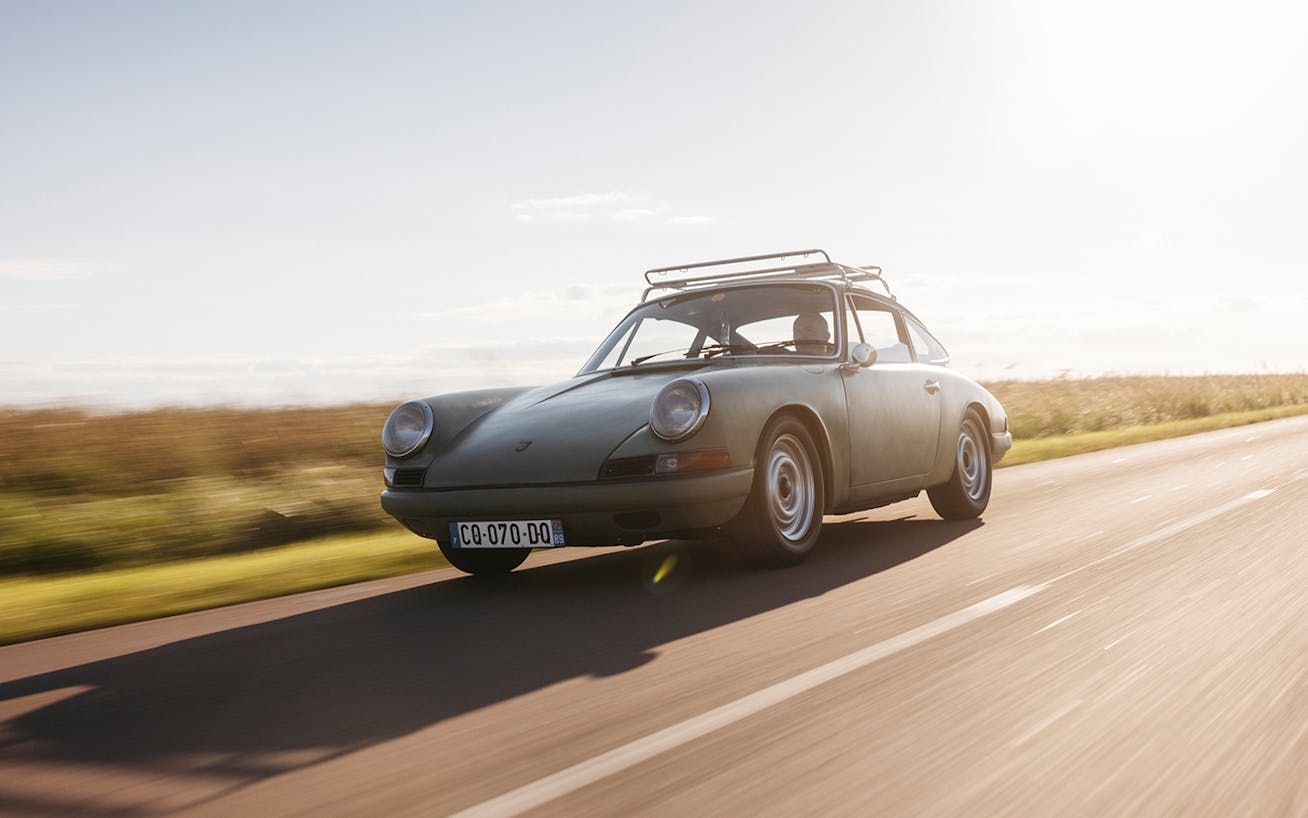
[(747, 400)]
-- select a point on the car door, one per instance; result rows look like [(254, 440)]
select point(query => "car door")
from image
[(894, 405)]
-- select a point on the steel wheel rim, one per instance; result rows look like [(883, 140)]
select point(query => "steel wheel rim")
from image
[(791, 489), (972, 456)]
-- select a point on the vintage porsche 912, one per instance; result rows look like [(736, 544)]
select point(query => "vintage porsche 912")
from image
[(744, 402)]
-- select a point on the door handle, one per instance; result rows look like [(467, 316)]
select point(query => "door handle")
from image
[(932, 386)]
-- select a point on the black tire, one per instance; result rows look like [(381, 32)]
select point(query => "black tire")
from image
[(484, 560), (967, 493), (782, 517)]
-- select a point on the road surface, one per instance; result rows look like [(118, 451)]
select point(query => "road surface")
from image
[(1126, 632)]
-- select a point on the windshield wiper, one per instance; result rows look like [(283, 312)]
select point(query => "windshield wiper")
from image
[(708, 351), (793, 342), (720, 349), (801, 346), (642, 359)]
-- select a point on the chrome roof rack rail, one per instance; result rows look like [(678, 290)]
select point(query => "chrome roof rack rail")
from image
[(819, 270), (871, 272)]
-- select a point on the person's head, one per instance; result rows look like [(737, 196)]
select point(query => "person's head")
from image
[(811, 334)]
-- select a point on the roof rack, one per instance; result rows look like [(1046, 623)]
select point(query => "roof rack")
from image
[(819, 270)]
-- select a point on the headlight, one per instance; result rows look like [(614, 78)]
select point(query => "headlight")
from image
[(407, 429), (680, 409)]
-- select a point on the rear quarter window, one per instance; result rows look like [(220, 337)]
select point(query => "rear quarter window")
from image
[(925, 346)]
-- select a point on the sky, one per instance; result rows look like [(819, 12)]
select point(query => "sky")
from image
[(254, 203)]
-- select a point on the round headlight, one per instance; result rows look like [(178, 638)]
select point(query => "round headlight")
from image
[(407, 429), (680, 409)]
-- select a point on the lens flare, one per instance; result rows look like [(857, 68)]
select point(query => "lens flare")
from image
[(665, 573), (668, 565)]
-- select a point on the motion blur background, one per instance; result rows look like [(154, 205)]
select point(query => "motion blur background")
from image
[(311, 203)]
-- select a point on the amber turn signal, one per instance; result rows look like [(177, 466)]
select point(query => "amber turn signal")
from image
[(679, 462)]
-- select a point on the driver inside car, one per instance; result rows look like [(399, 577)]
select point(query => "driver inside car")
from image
[(811, 334)]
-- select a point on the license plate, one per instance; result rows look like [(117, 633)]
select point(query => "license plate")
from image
[(508, 534)]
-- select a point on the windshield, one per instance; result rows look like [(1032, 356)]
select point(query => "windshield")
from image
[(771, 319)]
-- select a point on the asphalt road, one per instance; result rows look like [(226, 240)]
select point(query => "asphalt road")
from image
[(1126, 632)]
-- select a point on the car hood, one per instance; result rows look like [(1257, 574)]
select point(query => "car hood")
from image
[(560, 433)]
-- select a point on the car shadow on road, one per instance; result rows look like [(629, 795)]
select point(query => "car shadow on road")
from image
[(252, 702)]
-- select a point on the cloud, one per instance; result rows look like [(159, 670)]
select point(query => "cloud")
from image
[(36, 307), (47, 269), (634, 214), (1242, 302), (614, 206), (556, 216), (1150, 238), (593, 306), (580, 200)]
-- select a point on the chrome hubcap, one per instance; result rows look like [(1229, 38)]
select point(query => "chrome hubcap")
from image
[(972, 456), (791, 493)]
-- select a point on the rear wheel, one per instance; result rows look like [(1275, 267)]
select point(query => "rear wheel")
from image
[(967, 493), (484, 560), (782, 518)]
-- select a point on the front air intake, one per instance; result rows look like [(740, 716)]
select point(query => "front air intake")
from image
[(408, 478)]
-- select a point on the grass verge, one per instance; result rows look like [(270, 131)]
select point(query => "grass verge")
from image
[(36, 607), (1031, 450)]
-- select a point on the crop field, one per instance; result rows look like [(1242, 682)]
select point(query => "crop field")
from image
[(87, 492), (1039, 409)]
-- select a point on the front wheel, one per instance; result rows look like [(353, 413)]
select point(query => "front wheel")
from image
[(484, 560), (967, 493), (782, 518)]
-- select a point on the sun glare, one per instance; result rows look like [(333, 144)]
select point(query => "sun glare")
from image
[(1171, 54)]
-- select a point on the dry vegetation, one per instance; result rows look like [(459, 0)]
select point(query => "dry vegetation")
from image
[(82, 491), (1062, 406)]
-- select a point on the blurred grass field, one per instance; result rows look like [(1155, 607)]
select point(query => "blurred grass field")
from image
[(35, 607), (112, 503)]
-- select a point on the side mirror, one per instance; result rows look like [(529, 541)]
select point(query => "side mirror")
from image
[(863, 354)]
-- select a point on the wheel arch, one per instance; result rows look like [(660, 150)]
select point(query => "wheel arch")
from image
[(980, 409), (818, 430)]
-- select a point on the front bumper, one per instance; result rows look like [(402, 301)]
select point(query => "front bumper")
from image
[(1000, 443), (618, 512)]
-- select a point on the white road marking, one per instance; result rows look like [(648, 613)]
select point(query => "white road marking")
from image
[(1058, 621), (1247, 457), (1034, 731), (1114, 642), (1171, 530), (544, 790), (1141, 499), (1119, 460), (1182, 486), (628, 755)]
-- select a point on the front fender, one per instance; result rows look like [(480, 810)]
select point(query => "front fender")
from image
[(452, 415), (742, 401)]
